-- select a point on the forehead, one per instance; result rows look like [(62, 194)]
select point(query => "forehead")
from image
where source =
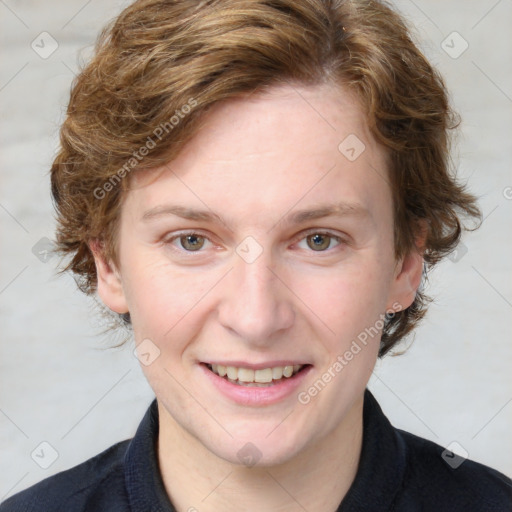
[(268, 151)]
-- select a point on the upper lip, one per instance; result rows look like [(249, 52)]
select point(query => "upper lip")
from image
[(257, 366)]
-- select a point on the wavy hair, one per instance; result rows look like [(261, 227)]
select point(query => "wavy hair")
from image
[(160, 65)]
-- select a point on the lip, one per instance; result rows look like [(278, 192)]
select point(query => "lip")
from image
[(258, 366), (255, 396)]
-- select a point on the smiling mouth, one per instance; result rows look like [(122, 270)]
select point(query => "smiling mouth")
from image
[(256, 378)]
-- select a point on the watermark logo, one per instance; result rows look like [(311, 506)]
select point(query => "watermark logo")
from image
[(459, 252), (146, 352), (454, 455), (351, 147), (249, 249), (43, 250), (44, 455), (454, 45), (44, 45), (249, 455)]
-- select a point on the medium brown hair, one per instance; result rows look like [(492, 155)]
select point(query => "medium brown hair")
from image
[(161, 64)]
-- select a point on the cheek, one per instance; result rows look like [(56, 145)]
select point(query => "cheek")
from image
[(161, 298), (347, 300)]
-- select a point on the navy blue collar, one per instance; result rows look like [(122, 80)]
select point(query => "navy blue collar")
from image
[(144, 483), (378, 479), (382, 463)]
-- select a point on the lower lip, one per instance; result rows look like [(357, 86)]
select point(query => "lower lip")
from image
[(254, 395)]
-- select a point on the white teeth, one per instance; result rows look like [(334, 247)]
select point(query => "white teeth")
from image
[(277, 372), (263, 375), (288, 371), (247, 375), (232, 372)]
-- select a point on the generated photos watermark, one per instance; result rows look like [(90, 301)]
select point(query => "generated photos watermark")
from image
[(304, 397), (151, 142)]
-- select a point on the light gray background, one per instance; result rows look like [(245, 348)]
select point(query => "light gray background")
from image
[(59, 381)]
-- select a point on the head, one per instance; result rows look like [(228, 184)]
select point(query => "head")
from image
[(252, 111)]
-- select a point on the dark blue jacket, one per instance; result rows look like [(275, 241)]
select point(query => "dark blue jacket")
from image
[(397, 472)]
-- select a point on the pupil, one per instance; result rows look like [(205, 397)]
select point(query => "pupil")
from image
[(192, 242), (320, 241)]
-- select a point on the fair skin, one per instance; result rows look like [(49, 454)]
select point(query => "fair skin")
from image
[(290, 295)]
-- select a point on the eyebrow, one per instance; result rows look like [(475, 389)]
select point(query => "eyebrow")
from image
[(341, 209)]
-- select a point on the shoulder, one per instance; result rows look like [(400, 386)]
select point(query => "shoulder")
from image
[(99, 480), (443, 481)]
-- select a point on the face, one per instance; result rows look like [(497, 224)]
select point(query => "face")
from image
[(264, 249)]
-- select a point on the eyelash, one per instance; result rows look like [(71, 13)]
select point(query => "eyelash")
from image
[(168, 241)]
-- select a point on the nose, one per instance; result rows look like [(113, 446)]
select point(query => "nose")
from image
[(256, 305)]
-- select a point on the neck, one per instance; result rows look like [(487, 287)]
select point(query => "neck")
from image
[(316, 479)]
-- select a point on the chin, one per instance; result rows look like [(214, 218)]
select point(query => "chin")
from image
[(261, 444), (258, 452)]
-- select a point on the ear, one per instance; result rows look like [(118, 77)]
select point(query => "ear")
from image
[(110, 288), (408, 273)]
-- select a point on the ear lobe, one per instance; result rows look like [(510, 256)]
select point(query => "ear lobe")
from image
[(110, 288)]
